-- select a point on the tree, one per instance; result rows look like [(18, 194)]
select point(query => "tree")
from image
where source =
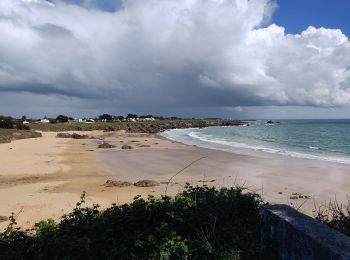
[(6, 122), (131, 116), (105, 117), (62, 119), (119, 117), (146, 116)]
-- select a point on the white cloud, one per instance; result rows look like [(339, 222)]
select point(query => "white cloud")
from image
[(170, 52)]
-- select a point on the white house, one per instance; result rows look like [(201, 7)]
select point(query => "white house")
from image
[(25, 122), (149, 119), (44, 121)]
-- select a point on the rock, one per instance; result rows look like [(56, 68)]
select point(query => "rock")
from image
[(106, 145), (74, 136), (63, 135), (126, 147), (114, 183), (146, 183), (78, 136), (272, 122), (3, 218)]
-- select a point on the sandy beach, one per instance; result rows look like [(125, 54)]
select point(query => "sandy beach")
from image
[(44, 177), (301, 183)]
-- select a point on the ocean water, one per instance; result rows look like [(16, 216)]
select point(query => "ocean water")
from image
[(327, 140)]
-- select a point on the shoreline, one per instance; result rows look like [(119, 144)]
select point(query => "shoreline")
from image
[(277, 178), (59, 170), (252, 150)]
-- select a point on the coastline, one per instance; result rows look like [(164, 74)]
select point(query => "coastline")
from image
[(59, 170), (301, 183), (192, 138)]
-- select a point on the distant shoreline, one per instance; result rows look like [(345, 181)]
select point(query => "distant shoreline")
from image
[(151, 127)]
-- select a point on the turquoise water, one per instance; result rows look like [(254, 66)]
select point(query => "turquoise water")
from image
[(327, 140)]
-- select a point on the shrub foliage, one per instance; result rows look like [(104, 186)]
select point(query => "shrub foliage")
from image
[(10, 123), (199, 223), (336, 215)]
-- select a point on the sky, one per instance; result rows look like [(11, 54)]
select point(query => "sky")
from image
[(190, 58), (296, 15)]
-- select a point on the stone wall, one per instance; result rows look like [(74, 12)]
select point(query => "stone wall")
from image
[(293, 235)]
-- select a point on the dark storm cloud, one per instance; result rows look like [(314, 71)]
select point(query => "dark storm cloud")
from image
[(168, 54)]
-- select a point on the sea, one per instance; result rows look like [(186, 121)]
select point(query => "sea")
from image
[(326, 140)]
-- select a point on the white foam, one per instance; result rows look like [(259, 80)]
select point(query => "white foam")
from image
[(314, 147), (185, 136)]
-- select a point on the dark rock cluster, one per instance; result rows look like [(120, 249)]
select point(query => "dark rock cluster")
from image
[(73, 136)]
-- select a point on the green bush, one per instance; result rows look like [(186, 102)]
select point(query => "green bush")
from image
[(10, 123), (106, 117), (199, 223), (21, 126), (6, 122)]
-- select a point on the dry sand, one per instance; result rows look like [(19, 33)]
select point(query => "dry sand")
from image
[(44, 177)]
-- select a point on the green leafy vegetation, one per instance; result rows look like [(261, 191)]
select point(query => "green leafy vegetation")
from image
[(106, 117), (10, 123), (6, 122), (12, 129), (61, 119), (198, 223)]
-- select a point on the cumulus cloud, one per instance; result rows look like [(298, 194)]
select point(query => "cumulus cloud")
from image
[(220, 53)]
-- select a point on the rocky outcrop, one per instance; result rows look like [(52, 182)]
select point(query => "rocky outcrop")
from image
[(272, 122), (73, 136), (114, 183), (8, 135), (3, 219), (106, 145), (146, 183), (127, 147)]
